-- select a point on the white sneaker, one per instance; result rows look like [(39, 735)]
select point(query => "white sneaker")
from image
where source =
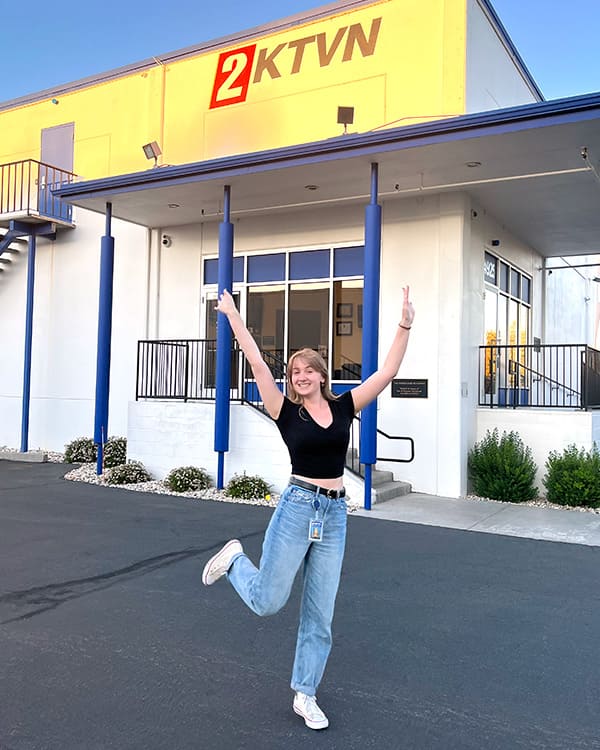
[(306, 707), (220, 563)]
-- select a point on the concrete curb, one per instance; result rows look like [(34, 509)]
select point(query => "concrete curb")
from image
[(36, 457)]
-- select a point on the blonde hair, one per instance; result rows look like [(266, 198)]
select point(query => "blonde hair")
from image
[(315, 360)]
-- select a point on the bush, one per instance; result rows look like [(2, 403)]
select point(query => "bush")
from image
[(130, 473), (502, 468), (187, 478), (80, 451), (247, 487), (115, 452), (573, 477)]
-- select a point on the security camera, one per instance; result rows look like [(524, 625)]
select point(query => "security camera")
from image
[(165, 240)]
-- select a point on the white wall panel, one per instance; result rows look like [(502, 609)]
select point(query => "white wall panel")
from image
[(493, 80), (65, 332)]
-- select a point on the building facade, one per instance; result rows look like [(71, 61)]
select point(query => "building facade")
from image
[(287, 135)]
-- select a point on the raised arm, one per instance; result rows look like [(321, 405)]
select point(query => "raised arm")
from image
[(368, 391), (271, 395)]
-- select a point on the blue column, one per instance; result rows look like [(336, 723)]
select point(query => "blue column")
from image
[(370, 342), (107, 257), (223, 375), (28, 346)]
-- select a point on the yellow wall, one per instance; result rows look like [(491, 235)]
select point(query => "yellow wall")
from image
[(395, 61)]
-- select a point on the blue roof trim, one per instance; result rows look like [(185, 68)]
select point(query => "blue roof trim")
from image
[(495, 122)]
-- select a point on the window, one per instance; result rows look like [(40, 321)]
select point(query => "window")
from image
[(266, 267), (308, 318), (507, 324), (347, 334), (303, 298)]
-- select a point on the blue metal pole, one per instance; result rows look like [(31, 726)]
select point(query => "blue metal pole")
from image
[(107, 258), (28, 346), (223, 376), (370, 342)]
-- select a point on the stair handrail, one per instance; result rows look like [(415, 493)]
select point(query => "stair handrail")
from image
[(541, 376), (395, 437)]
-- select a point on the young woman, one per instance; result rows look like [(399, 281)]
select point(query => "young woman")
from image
[(308, 527)]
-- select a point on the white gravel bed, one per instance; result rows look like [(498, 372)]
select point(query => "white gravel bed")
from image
[(87, 473), (539, 502)]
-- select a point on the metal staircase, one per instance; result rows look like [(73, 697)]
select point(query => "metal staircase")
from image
[(9, 251)]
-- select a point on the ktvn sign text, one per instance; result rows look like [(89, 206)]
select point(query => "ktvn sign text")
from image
[(238, 68)]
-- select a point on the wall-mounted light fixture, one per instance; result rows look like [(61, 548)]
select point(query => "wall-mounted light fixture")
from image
[(152, 151), (345, 117), (53, 101)]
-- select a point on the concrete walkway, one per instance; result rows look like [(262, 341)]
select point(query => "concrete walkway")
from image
[(491, 517)]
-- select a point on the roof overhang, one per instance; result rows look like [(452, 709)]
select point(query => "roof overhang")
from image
[(538, 175)]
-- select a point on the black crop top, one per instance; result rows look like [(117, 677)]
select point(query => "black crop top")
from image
[(315, 451)]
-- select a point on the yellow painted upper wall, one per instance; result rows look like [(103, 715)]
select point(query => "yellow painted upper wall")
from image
[(395, 61)]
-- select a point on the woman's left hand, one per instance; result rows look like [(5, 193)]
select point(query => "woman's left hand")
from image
[(408, 311)]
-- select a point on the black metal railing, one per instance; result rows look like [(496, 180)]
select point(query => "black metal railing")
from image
[(551, 376), (353, 458), (26, 190), (183, 370)]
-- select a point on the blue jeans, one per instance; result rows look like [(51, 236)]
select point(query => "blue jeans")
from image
[(286, 546)]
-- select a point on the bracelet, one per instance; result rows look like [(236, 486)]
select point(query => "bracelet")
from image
[(406, 328)]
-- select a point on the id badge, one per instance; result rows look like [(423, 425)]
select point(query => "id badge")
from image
[(315, 531)]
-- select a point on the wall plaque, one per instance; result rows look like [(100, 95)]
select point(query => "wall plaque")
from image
[(402, 388)]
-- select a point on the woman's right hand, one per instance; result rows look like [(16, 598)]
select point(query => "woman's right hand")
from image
[(225, 303)]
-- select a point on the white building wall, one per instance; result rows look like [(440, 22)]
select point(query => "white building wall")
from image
[(65, 333), (493, 80), (165, 435), (422, 246)]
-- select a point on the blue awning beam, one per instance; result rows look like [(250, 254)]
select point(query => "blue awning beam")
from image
[(28, 344), (32, 231), (107, 259), (223, 375)]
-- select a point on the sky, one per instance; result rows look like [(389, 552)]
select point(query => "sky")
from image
[(66, 41)]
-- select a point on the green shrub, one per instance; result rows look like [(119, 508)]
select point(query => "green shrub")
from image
[(247, 487), (188, 478), (80, 451), (130, 473), (115, 452), (573, 477), (502, 468)]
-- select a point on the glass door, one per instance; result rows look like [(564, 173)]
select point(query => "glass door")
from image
[(492, 340), (265, 316), (308, 321), (347, 332)]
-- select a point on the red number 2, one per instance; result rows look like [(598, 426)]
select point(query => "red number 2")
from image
[(232, 77)]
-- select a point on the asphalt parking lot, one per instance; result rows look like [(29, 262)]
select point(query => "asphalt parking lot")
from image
[(444, 639)]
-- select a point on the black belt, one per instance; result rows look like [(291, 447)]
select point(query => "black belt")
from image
[(332, 494)]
